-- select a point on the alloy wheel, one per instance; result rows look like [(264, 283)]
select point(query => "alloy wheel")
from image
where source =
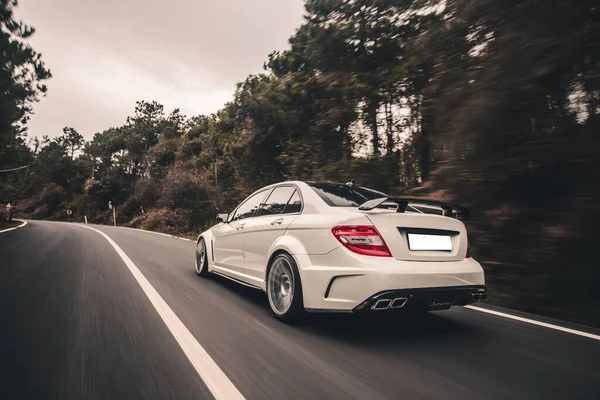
[(281, 286)]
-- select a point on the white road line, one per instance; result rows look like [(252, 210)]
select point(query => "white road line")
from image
[(156, 233), (216, 381), (534, 322), (14, 227), (143, 230)]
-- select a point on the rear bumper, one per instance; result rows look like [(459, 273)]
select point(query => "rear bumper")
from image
[(427, 299), (345, 282)]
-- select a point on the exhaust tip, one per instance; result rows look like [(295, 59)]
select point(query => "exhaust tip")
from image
[(399, 302), (381, 304)]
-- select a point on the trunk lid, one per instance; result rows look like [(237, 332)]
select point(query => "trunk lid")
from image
[(410, 230)]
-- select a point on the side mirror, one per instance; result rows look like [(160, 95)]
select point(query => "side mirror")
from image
[(222, 217)]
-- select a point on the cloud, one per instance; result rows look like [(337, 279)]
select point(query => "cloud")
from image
[(186, 54)]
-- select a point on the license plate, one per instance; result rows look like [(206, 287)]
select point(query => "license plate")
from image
[(418, 242)]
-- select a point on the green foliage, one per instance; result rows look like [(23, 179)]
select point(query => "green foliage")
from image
[(47, 203), (161, 219), (51, 165), (109, 189), (22, 73), (71, 140)]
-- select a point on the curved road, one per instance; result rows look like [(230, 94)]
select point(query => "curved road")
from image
[(76, 324)]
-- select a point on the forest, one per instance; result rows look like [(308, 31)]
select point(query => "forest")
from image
[(484, 103)]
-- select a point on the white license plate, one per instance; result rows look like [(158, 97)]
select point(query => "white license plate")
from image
[(429, 242)]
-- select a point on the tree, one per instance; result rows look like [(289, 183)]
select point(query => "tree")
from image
[(22, 73), (104, 149), (146, 122), (52, 164), (141, 132), (173, 125), (71, 140)]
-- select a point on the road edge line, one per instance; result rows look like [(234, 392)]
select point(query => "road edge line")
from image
[(156, 233), (213, 377), (534, 322), (15, 227)]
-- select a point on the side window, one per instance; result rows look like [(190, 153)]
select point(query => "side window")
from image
[(246, 210), (277, 201), (294, 205)]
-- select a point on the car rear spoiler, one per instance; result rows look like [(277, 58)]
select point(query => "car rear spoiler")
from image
[(448, 210)]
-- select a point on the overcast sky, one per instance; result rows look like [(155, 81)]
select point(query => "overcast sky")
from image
[(188, 54)]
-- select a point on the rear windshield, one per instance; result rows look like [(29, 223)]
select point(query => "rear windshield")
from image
[(339, 195)]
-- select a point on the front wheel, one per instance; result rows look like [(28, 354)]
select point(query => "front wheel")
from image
[(201, 259), (284, 289)]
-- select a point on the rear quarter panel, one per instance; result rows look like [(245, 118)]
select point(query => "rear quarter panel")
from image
[(311, 233)]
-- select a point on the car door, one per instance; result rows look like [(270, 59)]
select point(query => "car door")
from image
[(228, 238), (270, 222)]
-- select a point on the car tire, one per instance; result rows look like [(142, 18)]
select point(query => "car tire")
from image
[(201, 259), (284, 289)]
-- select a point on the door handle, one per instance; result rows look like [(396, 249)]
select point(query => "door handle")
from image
[(240, 227), (277, 221)]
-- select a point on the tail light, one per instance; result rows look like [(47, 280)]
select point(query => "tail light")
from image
[(364, 240)]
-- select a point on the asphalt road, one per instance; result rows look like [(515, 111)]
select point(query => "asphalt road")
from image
[(75, 324)]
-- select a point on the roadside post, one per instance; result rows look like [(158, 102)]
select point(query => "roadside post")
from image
[(69, 213), (114, 210)]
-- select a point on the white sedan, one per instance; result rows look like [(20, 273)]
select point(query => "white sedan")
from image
[(327, 247)]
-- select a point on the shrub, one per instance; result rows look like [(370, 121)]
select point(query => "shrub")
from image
[(161, 220)]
